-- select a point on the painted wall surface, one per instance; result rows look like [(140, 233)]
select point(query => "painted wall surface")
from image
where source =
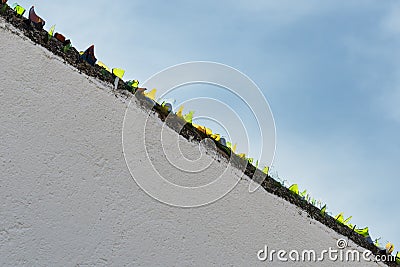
[(68, 198)]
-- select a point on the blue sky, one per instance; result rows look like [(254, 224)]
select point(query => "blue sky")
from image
[(330, 71)]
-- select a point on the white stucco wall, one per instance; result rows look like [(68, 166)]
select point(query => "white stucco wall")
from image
[(68, 198)]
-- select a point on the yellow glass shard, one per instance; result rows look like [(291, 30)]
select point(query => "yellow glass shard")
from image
[(339, 218), (242, 155), (101, 64), (266, 170), (204, 129), (189, 117), (364, 232), (19, 9), (81, 53), (51, 31), (250, 160), (347, 220), (398, 258), (303, 194), (323, 210), (234, 148), (389, 248), (216, 137), (199, 127), (135, 84), (118, 72), (228, 144), (151, 94), (295, 189), (179, 112)]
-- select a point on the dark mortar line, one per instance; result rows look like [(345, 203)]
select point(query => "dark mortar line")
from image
[(40, 36)]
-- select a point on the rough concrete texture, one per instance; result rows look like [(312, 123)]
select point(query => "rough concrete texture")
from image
[(68, 198)]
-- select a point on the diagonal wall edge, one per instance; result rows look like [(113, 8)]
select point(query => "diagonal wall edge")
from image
[(21, 95)]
